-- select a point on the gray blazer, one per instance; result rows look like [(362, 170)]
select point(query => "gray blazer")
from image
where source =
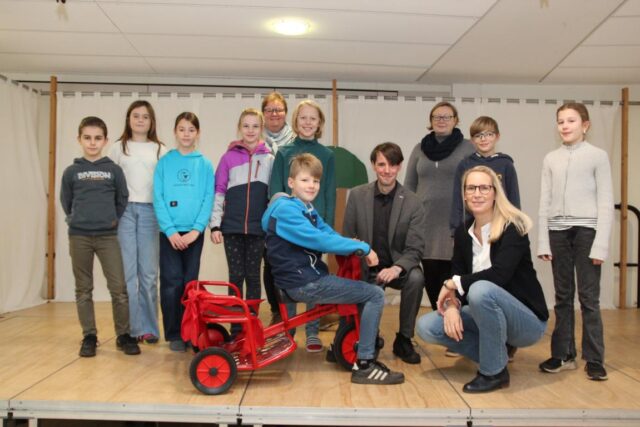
[(406, 224)]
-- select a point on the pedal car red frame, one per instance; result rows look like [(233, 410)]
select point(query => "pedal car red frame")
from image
[(219, 356)]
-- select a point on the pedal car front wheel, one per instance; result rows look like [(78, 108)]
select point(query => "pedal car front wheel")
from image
[(345, 345), (213, 370)]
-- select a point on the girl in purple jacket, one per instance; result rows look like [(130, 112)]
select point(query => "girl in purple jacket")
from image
[(241, 197)]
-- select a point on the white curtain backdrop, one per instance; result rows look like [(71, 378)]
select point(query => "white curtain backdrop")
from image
[(527, 134), (218, 125), (23, 210)]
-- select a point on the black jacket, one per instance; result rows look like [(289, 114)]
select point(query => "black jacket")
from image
[(511, 267)]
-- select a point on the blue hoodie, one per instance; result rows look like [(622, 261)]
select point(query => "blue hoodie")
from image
[(296, 238), (183, 192)]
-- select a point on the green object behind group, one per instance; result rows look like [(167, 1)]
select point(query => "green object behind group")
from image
[(350, 171)]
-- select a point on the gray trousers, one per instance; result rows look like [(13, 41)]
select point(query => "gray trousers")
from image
[(410, 286), (570, 250), (82, 250)]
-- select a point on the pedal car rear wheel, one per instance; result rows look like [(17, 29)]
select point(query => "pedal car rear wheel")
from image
[(345, 345), (213, 370)]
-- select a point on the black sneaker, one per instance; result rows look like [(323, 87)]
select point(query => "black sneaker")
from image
[(403, 348), (127, 344), (375, 373), (511, 352), (595, 371), (88, 347), (330, 356), (554, 365)]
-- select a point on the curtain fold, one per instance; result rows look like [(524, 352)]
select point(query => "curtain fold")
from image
[(23, 210)]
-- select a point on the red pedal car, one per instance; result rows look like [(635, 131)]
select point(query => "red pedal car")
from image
[(219, 357)]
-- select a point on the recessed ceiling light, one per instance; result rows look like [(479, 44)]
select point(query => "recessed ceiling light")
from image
[(290, 26)]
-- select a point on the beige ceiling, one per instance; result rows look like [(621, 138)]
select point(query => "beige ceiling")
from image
[(401, 41)]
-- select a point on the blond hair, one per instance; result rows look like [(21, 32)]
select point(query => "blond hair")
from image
[(504, 213), (250, 112), (305, 162), (296, 112)]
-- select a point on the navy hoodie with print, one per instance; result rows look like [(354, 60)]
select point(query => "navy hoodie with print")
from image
[(93, 196)]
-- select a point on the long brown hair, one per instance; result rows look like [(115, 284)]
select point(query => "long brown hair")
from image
[(127, 134)]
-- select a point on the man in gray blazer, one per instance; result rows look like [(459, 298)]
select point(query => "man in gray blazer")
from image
[(391, 219)]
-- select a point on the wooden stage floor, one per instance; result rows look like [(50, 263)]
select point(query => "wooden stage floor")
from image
[(42, 377)]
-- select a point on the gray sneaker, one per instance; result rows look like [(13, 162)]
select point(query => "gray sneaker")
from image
[(178, 345), (375, 373)]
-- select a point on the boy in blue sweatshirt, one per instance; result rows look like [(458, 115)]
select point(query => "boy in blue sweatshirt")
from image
[(94, 195), (296, 238), (484, 137)]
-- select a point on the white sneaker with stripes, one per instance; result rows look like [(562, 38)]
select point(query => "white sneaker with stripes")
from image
[(375, 373)]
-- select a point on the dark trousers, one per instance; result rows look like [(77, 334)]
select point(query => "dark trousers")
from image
[(269, 285), (410, 286), (82, 250), (436, 271), (177, 268), (570, 251), (244, 253)]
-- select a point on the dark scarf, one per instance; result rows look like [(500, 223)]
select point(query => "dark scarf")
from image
[(435, 150)]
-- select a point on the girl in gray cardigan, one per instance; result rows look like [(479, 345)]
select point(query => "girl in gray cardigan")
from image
[(576, 213)]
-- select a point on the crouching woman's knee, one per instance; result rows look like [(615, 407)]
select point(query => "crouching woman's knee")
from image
[(481, 292), (430, 327)]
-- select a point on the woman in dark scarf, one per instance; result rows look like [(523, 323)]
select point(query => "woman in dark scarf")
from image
[(430, 174)]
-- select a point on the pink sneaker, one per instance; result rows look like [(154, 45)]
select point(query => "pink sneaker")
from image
[(149, 339)]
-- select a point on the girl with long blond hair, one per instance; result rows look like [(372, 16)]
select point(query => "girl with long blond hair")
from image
[(494, 299)]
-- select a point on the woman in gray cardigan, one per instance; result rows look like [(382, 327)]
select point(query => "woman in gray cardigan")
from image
[(430, 174)]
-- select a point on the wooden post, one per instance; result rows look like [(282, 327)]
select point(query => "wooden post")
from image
[(334, 111), (341, 193), (51, 196), (624, 169)]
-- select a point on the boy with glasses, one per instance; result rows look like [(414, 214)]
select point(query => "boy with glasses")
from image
[(484, 137)]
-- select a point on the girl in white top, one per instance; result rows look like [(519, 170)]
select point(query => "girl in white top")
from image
[(137, 152), (576, 214)]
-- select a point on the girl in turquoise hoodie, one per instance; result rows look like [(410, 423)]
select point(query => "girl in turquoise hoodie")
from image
[(183, 187)]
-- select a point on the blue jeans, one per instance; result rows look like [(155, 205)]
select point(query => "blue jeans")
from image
[(138, 236), (177, 268), (493, 318), (331, 289)]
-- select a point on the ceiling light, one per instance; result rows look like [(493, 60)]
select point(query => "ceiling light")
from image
[(290, 26)]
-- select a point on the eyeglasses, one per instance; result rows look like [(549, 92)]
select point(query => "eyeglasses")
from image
[(483, 135), (484, 188), (273, 110), (441, 118)]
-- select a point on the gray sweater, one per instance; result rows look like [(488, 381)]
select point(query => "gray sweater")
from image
[(433, 183), (576, 182)]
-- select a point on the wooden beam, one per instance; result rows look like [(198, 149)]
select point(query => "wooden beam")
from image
[(624, 169), (51, 195), (334, 111)]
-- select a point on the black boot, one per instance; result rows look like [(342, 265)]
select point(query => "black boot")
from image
[(403, 348), (484, 383)]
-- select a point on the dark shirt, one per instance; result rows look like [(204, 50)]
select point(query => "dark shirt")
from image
[(382, 204)]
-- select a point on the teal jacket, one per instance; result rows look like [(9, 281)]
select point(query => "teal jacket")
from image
[(183, 188), (325, 201)]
